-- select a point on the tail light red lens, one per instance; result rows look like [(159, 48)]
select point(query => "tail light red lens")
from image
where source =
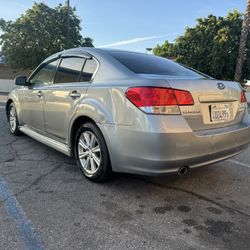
[(183, 97), (243, 97), (146, 97)]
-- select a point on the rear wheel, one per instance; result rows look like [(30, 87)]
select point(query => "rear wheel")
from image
[(13, 121), (91, 153)]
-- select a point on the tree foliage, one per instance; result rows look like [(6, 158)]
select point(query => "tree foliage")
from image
[(38, 33), (211, 46), (165, 50)]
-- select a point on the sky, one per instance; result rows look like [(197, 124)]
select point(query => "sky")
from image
[(132, 24)]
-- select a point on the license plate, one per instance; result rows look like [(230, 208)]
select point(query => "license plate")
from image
[(220, 112)]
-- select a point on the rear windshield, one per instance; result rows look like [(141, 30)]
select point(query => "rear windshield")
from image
[(149, 64)]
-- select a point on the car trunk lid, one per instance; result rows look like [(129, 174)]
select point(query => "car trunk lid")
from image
[(216, 103)]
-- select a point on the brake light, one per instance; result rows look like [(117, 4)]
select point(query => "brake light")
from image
[(158, 100), (183, 97), (243, 97)]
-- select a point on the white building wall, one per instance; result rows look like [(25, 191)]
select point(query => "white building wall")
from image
[(6, 85)]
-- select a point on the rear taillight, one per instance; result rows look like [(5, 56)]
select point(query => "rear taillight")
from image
[(158, 100), (243, 97)]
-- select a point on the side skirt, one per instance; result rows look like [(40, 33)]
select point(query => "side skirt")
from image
[(63, 148)]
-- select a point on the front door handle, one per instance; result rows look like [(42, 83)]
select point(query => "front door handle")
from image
[(74, 94), (39, 94)]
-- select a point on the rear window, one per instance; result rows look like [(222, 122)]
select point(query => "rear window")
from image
[(149, 64)]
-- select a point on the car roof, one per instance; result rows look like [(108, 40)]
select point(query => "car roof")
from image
[(88, 51)]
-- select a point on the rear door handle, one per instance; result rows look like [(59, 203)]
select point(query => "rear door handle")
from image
[(74, 94), (39, 94)]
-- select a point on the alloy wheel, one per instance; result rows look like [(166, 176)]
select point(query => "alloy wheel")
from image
[(89, 152), (13, 119)]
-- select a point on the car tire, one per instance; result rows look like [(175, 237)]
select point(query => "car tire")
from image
[(13, 120), (92, 154)]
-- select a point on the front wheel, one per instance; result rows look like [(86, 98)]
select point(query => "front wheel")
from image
[(13, 121), (91, 153)]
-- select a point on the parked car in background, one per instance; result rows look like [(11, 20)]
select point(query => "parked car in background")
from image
[(129, 112)]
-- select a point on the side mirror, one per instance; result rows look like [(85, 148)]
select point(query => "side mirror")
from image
[(21, 81)]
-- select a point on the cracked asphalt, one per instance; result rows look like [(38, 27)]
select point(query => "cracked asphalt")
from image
[(207, 209)]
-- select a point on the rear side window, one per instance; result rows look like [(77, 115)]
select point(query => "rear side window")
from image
[(88, 70), (69, 70), (149, 64)]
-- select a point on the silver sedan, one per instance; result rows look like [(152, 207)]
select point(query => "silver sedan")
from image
[(119, 111)]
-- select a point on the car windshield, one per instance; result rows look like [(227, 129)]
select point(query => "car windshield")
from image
[(141, 63)]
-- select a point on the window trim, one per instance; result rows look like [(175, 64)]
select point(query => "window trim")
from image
[(59, 58), (77, 56), (80, 76), (95, 72), (60, 61)]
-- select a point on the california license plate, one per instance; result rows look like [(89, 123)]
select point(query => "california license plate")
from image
[(220, 112)]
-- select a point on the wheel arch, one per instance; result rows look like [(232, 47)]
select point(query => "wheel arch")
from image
[(74, 128)]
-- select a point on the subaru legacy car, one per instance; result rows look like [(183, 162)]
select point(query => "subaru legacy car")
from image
[(120, 111)]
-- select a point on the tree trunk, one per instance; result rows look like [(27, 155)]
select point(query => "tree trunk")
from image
[(243, 44)]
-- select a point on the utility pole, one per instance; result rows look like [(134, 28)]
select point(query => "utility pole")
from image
[(68, 22), (243, 44)]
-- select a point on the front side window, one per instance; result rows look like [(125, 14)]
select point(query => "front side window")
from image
[(88, 70), (45, 75), (69, 70)]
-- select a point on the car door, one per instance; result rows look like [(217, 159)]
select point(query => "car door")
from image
[(69, 87), (31, 98)]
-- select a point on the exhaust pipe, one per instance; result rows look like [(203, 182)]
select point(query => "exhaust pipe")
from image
[(182, 171)]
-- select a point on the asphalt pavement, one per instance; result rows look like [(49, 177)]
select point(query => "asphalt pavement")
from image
[(45, 203)]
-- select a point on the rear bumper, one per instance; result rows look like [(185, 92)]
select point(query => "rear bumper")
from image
[(160, 150)]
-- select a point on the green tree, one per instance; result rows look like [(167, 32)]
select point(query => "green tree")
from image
[(165, 50), (87, 42), (212, 46), (38, 33)]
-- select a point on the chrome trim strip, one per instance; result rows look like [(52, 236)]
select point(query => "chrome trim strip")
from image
[(63, 148), (96, 70)]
